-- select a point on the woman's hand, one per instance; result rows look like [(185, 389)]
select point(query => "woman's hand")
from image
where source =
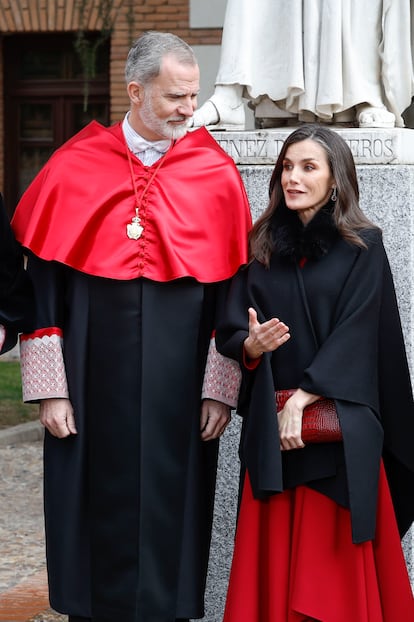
[(290, 419), (264, 337), (56, 414)]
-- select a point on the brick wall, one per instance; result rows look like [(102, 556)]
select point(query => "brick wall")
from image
[(141, 15), (129, 19)]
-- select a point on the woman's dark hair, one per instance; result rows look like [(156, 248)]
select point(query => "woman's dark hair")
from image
[(347, 215)]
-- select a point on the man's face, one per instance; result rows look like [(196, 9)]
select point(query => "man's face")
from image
[(168, 102)]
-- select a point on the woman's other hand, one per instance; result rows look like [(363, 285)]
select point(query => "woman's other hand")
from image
[(290, 419)]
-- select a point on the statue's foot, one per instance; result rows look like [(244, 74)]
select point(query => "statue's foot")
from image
[(370, 116), (267, 114), (216, 114), (306, 116)]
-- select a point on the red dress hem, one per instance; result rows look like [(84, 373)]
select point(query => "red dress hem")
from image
[(294, 560)]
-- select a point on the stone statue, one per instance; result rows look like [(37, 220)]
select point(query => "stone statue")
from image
[(334, 61)]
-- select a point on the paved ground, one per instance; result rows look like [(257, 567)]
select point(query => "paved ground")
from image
[(23, 591), (21, 520), (23, 588)]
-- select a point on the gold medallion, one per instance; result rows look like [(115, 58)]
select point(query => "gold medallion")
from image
[(134, 229)]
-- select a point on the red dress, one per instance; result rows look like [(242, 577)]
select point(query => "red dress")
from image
[(294, 560)]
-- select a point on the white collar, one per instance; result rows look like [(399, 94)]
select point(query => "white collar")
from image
[(138, 144)]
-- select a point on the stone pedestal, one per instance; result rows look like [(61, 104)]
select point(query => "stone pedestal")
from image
[(385, 166)]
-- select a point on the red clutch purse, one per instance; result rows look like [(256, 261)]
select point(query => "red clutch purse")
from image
[(320, 423)]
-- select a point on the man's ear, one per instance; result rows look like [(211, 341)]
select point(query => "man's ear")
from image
[(135, 93)]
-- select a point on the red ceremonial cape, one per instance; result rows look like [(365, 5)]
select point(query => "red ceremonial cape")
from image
[(195, 211)]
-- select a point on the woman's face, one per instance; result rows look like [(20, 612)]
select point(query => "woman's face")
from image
[(307, 181)]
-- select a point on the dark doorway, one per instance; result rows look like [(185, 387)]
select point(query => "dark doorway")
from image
[(45, 104)]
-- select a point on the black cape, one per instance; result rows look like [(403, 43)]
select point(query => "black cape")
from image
[(16, 295), (347, 344)]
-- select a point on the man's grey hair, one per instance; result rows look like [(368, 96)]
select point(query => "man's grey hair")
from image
[(145, 56)]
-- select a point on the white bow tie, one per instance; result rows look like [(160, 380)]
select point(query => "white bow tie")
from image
[(139, 144)]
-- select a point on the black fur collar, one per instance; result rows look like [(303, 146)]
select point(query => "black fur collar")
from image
[(295, 241)]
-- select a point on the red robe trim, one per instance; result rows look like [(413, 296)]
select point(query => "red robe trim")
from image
[(195, 212), (41, 332)]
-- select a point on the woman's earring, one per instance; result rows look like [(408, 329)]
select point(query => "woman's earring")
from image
[(334, 195)]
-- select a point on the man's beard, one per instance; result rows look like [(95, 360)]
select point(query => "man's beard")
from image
[(161, 126)]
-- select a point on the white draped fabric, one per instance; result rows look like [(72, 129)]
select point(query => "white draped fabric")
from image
[(322, 56)]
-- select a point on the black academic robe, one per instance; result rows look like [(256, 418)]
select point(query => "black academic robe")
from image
[(129, 499), (16, 299), (346, 343)]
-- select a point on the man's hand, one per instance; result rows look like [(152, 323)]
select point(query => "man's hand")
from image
[(215, 416), (56, 414)]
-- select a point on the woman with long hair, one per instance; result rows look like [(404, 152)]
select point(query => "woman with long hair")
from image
[(315, 313)]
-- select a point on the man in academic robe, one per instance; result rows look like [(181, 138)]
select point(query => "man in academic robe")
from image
[(133, 232)]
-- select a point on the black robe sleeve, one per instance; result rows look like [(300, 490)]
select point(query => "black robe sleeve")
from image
[(16, 293)]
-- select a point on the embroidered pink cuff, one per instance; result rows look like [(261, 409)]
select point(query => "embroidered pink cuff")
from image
[(42, 365), (222, 378)]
